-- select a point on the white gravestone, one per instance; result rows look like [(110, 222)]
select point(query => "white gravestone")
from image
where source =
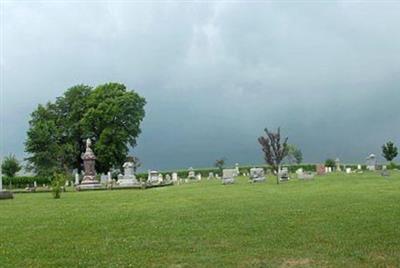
[(371, 162), (337, 164), (191, 174), (129, 178), (257, 175), (348, 170), (284, 174), (103, 178), (174, 177), (228, 176), (153, 178), (210, 175), (109, 177), (301, 175), (76, 178), (198, 177), (237, 169)]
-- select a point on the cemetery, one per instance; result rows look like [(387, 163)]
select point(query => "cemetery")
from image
[(186, 134)]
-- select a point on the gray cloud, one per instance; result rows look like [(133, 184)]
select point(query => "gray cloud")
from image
[(215, 74)]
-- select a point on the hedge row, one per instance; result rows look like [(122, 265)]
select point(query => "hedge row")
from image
[(24, 181)]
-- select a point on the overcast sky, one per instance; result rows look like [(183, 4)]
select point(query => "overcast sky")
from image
[(214, 74)]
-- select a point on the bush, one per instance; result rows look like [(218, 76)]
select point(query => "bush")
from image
[(57, 185), (330, 163), (393, 166)]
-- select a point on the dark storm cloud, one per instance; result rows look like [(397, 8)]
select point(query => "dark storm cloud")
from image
[(215, 74)]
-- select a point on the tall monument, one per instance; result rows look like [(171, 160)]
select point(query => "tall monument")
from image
[(89, 179)]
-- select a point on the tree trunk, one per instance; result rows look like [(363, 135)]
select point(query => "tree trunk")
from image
[(277, 174)]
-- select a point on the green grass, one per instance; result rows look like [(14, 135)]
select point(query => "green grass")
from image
[(334, 221)]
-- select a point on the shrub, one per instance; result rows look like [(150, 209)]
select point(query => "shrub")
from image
[(57, 185), (330, 163), (392, 166)]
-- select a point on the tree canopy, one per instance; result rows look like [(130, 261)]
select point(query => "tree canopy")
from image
[(389, 151), (10, 166), (109, 114), (274, 149), (294, 154)]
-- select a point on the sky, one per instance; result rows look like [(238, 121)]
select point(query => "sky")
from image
[(214, 73)]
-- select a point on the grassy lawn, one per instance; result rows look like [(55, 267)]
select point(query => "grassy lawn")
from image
[(335, 221)]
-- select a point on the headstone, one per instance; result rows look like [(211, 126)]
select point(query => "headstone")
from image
[(198, 177), (167, 178), (103, 178), (228, 176), (385, 173), (371, 162), (210, 175), (237, 169), (284, 174), (109, 177), (153, 178), (359, 167), (320, 168), (66, 183), (257, 175), (337, 163), (217, 176), (76, 178), (89, 180), (35, 184), (348, 170), (301, 175), (129, 178), (174, 177), (191, 174)]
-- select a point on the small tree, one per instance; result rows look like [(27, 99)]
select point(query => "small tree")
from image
[(389, 151), (219, 163), (294, 154), (274, 150), (330, 163), (10, 166), (57, 185)]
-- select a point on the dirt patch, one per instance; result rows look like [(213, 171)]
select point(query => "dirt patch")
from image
[(296, 263)]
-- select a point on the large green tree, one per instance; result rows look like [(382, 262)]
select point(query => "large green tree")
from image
[(109, 114)]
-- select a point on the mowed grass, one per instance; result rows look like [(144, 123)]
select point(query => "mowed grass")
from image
[(334, 221)]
